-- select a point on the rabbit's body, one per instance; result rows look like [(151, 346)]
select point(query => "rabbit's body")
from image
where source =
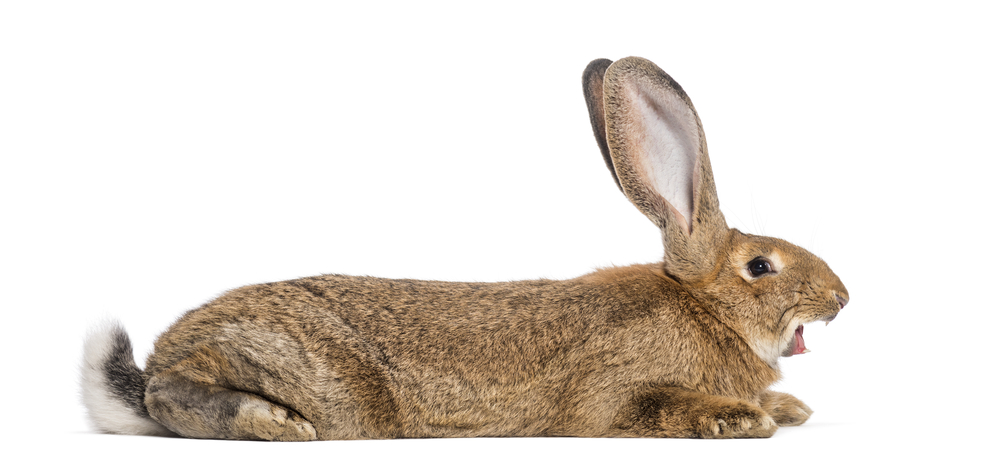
[(682, 348), (409, 358)]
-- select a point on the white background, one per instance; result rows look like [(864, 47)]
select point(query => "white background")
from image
[(153, 156)]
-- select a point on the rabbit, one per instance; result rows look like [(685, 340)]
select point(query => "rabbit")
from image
[(686, 347)]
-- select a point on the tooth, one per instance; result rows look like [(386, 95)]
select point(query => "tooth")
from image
[(806, 351)]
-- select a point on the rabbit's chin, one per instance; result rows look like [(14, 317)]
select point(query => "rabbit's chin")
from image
[(797, 343)]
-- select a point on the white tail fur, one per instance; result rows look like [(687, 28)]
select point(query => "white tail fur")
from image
[(112, 386)]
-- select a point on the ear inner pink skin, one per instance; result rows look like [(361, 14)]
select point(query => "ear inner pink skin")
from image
[(667, 155)]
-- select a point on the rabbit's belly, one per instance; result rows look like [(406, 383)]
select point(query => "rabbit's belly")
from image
[(442, 405)]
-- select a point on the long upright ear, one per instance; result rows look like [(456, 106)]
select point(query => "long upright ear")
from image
[(660, 156), (593, 90)]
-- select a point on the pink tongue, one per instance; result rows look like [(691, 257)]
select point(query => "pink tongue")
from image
[(799, 340)]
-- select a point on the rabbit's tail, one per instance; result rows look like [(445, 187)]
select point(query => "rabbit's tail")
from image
[(113, 387)]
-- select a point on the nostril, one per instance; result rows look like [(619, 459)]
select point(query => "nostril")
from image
[(842, 301)]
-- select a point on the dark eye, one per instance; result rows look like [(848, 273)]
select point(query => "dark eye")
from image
[(759, 266)]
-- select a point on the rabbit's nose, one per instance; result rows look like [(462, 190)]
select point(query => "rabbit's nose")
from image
[(842, 301)]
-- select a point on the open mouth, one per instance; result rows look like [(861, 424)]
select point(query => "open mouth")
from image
[(797, 344)]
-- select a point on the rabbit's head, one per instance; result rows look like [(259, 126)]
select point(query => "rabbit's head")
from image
[(653, 143)]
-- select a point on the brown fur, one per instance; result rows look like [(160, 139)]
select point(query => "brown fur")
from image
[(682, 348)]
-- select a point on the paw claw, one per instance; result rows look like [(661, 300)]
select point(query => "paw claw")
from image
[(785, 409), (745, 422)]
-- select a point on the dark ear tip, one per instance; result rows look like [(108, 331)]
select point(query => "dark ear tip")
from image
[(596, 67), (598, 62), (593, 91)]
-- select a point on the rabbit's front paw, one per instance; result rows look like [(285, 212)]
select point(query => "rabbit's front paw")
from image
[(737, 421), (785, 409)]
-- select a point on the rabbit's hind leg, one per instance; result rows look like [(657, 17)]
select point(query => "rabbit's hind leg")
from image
[(198, 410)]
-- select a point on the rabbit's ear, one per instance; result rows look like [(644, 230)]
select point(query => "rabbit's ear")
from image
[(593, 90), (660, 156)]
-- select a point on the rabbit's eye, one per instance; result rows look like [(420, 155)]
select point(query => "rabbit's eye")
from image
[(759, 266)]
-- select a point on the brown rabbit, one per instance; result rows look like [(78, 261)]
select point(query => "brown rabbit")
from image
[(686, 347)]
